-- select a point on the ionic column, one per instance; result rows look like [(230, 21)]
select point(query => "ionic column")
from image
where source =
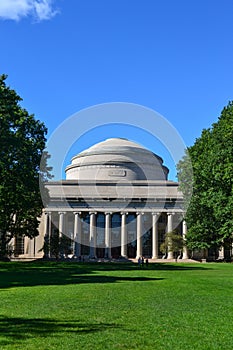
[(155, 217), (184, 232), (61, 226), (139, 235), (221, 253), (47, 233), (108, 235), (169, 229), (77, 234), (123, 235), (92, 240)]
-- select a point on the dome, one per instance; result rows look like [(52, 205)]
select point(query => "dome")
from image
[(116, 159)]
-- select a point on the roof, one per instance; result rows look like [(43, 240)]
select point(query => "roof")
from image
[(116, 158)]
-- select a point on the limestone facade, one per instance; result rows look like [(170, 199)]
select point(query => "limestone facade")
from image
[(116, 201)]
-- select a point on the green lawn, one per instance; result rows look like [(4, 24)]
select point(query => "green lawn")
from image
[(47, 306)]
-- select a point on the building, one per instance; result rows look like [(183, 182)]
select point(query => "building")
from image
[(116, 201)]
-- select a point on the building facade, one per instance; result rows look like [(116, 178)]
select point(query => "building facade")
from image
[(116, 202)]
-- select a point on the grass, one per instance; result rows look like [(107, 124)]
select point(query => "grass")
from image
[(45, 306)]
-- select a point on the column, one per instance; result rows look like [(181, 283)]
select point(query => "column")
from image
[(184, 232), (169, 229), (221, 252), (92, 240), (77, 234), (139, 235), (47, 233), (61, 224), (123, 235), (108, 235), (61, 229), (155, 217)]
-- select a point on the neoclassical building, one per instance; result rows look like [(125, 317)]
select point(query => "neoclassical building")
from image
[(116, 201)]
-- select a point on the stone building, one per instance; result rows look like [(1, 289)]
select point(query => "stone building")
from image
[(116, 201)]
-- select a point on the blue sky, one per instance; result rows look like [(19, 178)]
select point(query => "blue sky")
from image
[(173, 56)]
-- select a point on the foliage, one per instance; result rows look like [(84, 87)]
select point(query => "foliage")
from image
[(22, 141), (210, 212), (57, 246), (173, 243)]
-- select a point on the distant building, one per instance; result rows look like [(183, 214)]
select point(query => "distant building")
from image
[(116, 201)]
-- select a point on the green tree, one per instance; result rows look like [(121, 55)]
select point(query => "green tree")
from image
[(22, 141), (57, 246), (173, 243), (210, 213)]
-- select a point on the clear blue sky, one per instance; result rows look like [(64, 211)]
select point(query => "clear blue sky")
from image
[(174, 56)]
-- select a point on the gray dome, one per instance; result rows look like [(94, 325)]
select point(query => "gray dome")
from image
[(116, 159)]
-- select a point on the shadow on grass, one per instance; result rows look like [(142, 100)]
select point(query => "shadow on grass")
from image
[(18, 329), (177, 267), (28, 274), (21, 274)]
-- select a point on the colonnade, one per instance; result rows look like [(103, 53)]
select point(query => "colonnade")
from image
[(77, 230)]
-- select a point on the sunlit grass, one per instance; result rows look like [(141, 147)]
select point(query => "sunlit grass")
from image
[(47, 306)]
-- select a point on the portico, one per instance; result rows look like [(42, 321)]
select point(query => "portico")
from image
[(109, 234)]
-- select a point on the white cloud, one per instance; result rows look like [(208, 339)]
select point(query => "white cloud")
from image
[(17, 9), (44, 10)]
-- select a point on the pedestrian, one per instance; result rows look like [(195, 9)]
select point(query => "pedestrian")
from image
[(139, 262), (147, 262), (142, 261)]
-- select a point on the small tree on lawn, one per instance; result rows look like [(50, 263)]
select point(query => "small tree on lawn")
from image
[(173, 243), (57, 246)]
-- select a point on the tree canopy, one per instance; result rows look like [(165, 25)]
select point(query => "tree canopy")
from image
[(173, 243), (22, 141), (210, 212)]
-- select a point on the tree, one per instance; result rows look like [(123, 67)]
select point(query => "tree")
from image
[(57, 246), (173, 243), (209, 215), (22, 141)]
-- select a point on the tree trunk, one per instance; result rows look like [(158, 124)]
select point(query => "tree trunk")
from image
[(3, 247)]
